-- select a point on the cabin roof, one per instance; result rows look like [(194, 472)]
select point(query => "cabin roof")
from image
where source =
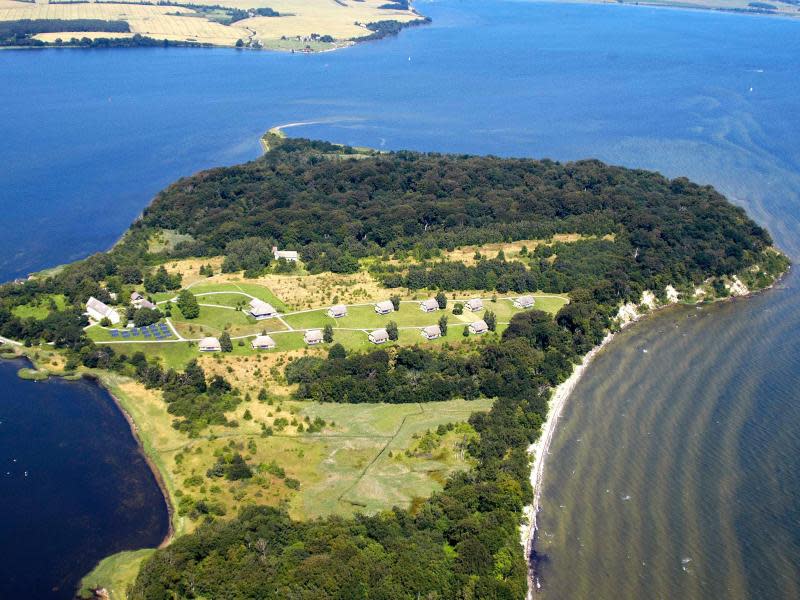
[(432, 331)]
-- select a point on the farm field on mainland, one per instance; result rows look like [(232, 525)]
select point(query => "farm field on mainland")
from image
[(291, 30)]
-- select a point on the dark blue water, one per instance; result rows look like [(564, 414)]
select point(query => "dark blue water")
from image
[(90, 136), (74, 486)]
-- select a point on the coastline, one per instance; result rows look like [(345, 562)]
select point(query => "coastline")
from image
[(539, 450), (742, 11), (628, 314), (159, 476)]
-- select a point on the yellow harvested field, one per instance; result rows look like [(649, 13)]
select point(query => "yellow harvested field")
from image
[(340, 19)]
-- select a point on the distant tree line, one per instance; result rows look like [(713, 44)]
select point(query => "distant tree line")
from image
[(382, 29)]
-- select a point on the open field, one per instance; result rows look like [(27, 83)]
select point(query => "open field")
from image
[(342, 20), (115, 573), (42, 309), (366, 458)]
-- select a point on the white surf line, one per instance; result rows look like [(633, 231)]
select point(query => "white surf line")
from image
[(316, 122), (539, 450)]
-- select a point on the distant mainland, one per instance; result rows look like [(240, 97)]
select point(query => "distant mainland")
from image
[(781, 8), (288, 25)]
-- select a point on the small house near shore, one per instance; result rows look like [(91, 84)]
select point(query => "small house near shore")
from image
[(478, 327), (263, 342), (209, 344), (261, 310), (100, 310), (379, 336), (337, 311), (431, 332), (384, 308), (313, 337), (474, 304), (524, 302), (289, 255), (429, 305)]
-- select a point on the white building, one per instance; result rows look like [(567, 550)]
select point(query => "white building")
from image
[(313, 337), (290, 255), (523, 302), (209, 344), (99, 310), (429, 305), (263, 342), (379, 336), (337, 311), (478, 327), (474, 304), (384, 308), (261, 310), (431, 332)]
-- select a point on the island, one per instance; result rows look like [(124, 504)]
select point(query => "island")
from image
[(288, 25), (339, 361)]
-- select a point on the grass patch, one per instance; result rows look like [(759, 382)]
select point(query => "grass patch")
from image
[(42, 308), (115, 573), (33, 374)]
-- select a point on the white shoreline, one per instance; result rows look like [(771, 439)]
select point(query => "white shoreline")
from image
[(540, 448), (628, 313)]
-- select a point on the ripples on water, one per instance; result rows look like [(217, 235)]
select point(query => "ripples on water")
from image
[(675, 470)]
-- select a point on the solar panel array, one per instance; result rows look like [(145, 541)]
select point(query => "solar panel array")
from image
[(156, 331)]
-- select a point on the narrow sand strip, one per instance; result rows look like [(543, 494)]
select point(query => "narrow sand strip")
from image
[(540, 448)]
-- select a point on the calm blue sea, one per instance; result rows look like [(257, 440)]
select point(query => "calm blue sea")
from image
[(89, 136)]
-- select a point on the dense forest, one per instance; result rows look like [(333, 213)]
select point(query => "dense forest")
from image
[(336, 205), (334, 210)]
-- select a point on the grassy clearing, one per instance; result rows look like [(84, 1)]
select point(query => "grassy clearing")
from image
[(236, 287), (357, 462), (115, 573), (41, 309), (365, 466), (166, 240)]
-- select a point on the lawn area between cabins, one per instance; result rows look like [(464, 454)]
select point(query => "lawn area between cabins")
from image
[(410, 315), (218, 314)]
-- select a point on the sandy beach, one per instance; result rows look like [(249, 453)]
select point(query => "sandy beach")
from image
[(540, 448)]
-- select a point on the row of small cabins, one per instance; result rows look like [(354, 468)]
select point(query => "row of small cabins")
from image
[(314, 337), (260, 310)]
